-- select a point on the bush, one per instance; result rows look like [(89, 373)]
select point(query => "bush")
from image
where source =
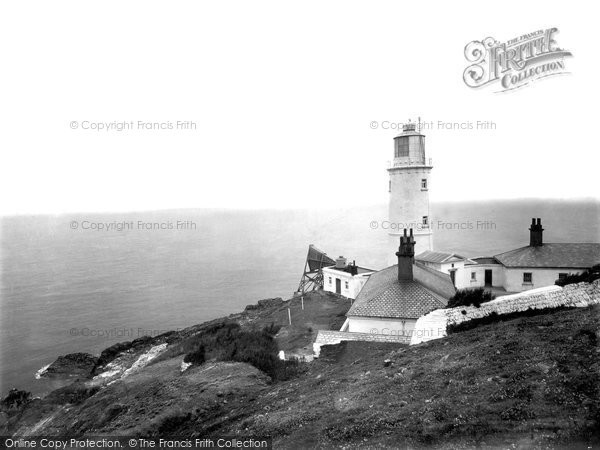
[(195, 357), (272, 329), (468, 297), (226, 341), (588, 276), (16, 398), (73, 393), (171, 422)]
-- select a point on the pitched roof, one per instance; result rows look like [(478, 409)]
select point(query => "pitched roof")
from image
[(576, 256), (434, 280), (437, 257), (384, 296)]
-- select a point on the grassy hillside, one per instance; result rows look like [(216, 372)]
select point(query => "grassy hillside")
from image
[(531, 381)]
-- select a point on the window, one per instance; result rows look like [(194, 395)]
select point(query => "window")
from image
[(473, 276), (527, 277), (425, 221), (562, 276), (347, 285), (329, 280), (401, 148), (424, 183)]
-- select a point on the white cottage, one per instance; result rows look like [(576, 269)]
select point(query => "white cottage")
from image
[(449, 263), (345, 279), (537, 265), (394, 298)]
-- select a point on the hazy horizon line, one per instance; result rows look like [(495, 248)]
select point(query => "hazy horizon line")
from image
[(314, 208)]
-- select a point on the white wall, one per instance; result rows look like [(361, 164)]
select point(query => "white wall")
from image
[(408, 201), (408, 204), (355, 283), (510, 279), (540, 278), (375, 325), (498, 276)]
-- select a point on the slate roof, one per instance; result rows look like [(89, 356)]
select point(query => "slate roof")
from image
[(434, 280), (576, 256), (436, 257), (384, 296)]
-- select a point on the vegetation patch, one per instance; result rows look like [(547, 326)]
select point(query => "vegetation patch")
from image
[(15, 399), (588, 276), (73, 393), (494, 317), (227, 341), (470, 297), (196, 357)]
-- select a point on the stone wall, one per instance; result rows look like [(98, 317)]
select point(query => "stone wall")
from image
[(331, 337), (575, 295)]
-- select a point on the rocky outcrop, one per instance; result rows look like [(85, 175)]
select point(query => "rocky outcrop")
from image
[(266, 303), (80, 365)]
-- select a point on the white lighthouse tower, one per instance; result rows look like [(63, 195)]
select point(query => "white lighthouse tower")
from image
[(410, 174)]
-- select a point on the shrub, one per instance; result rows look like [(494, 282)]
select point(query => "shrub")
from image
[(226, 341), (588, 276), (272, 329), (16, 398), (73, 393), (588, 335), (171, 422), (468, 297), (288, 369), (195, 357)]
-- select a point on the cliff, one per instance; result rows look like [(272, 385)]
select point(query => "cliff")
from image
[(530, 381)]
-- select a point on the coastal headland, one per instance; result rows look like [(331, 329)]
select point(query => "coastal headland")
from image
[(529, 381)]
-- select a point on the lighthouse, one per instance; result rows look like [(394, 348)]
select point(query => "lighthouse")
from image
[(410, 175)]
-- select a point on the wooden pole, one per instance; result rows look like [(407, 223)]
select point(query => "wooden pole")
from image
[(289, 316)]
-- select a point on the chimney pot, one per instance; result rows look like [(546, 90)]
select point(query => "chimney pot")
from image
[(536, 233), (406, 257), (340, 263)]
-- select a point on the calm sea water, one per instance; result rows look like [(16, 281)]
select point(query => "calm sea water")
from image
[(65, 290)]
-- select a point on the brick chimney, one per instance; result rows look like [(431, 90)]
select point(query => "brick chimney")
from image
[(406, 257), (535, 233)]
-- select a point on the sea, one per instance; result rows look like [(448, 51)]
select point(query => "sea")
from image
[(82, 282)]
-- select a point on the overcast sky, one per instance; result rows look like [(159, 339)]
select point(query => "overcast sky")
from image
[(282, 95)]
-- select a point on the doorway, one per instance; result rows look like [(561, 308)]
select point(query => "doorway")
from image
[(488, 277), (338, 286)]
